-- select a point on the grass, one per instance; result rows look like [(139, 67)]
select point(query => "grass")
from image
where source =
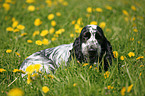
[(75, 79)]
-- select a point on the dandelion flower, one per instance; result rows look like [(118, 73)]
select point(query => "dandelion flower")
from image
[(37, 22), (51, 30), (133, 8), (125, 12), (15, 92), (71, 35), (106, 74), (29, 41), (58, 14), (15, 23), (122, 57), (36, 33), (6, 6), (8, 51), (89, 10), (30, 1), (102, 25), (45, 41), (37, 67), (140, 57), (74, 84), (16, 30), (31, 8), (131, 54), (108, 7), (39, 42), (45, 89), (99, 10), (129, 88), (135, 30), (53, 23), (115, 53), (9, 29), (53, 39), (30, 69), (21, 27), (73, 22), (23, 34), (93, 23), (2, 70), (44, 33), (18, 54), (50, 16), (123, 91), (85, 64)]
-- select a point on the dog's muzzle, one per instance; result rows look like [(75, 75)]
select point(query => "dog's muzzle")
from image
[(92, 51)]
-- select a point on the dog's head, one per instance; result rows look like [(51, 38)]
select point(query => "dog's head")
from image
[(91, 45)]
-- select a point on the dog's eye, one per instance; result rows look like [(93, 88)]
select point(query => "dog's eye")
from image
[(97, 36), (87, 35)]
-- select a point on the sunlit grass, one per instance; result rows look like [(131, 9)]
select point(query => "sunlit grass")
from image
[(28, 26)]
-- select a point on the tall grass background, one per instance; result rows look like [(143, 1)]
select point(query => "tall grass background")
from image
[(74, 79)]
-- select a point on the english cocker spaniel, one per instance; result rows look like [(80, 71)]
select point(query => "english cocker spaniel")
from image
[(91, 46)]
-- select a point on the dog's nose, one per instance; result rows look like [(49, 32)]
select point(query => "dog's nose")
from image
[(92, 50)]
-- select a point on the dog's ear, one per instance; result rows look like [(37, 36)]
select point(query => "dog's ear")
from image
[(109, 55), (76, 51)]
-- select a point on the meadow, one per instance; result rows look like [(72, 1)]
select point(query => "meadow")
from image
[(28, 26)]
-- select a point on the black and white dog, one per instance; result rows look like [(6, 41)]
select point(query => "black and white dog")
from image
[(91, 46)]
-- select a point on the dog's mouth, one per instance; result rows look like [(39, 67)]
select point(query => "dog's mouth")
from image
[(92, 52)]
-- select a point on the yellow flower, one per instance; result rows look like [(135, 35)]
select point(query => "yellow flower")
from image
[(44, 33), (17, 70), (71, 35), (125, 12), (30, 69), (122, 57), (50, 76), (109, 87), (9, 29), (85, 64), (8, 51), (37, 67), (51, 30), (45, 89), (102, 25), (29, 79), (37, 22), (15, 92), (115, 53), (89, 10), (58, 14), (45, 41), (36, 33), (53, 23), (39, 42), (135, 30), (93, 23), (23, 34), (99, 10), (73, 22), (79, 21), (108, 7), (15, 23), (16, 30), (50, 16), (65, 3), (30, 1), (131, 54), (123, 91), (129, 88), (90, 67), (8, 1), (140, 57), (53, 39), (6, 6), (1, 70), (18, 54), (31, 8), (133, 8), (106, 74), (13, 19), (21, 27), (29, 41), (74, 84), (131, 39), (139, 74)]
